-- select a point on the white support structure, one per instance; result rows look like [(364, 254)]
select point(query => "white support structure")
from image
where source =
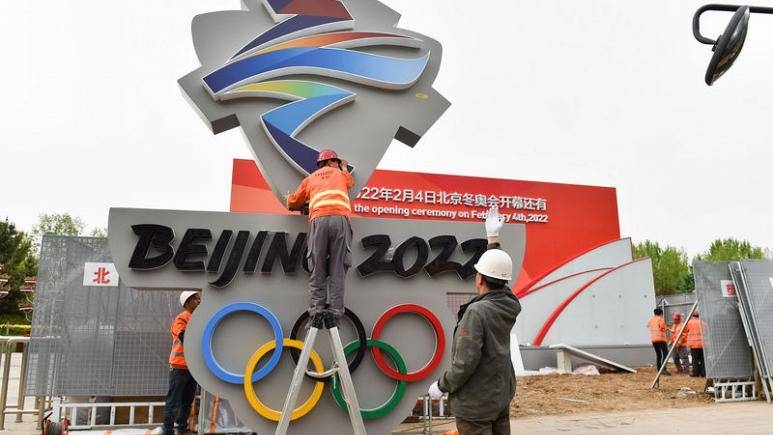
[(735, 390), (564, 362), (70, 410)]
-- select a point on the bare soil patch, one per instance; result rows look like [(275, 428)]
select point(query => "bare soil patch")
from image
[(567, 394)]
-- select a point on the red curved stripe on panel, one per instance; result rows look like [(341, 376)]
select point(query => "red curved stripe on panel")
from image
[(562, 306), (535, 289), (523, 290)]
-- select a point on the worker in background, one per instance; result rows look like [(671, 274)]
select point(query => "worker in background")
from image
[(695, 341), (330, 232), (658, 328), (480, 381), (182, 386), (681, 351)]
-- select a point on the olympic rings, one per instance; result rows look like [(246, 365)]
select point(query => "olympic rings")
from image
[(397, 394), (265, 411), (360, 346), (361, 336), (439, 347), (209, 330)]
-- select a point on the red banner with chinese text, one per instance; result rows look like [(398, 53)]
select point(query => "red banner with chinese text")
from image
[(562, 220)]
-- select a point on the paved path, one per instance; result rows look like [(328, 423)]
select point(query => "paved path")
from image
[(728, 418)]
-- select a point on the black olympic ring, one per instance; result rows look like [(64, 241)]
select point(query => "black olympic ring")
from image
[(361, 337)]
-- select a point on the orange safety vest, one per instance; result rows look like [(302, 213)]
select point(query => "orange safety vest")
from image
[(657, 328), (694, 337), (177, 355), (326, 190), (675, 330)]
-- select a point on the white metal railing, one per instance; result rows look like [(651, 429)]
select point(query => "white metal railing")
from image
[(9, 343), (70, 410)]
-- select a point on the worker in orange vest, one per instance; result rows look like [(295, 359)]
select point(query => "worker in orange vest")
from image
[(681, 359), (658, 328), (695, 341), (182, 386), (330, 231)]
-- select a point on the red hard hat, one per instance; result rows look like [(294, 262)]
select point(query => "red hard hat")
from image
[(677, 315), (326, 155)]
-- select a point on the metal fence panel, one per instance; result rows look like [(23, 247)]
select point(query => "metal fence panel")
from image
[(758, 275), (142, 340), (45, 343), (106, 341), (726, 349)]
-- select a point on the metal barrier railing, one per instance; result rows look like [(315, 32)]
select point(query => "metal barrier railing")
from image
[(9, 343), (71, 411)]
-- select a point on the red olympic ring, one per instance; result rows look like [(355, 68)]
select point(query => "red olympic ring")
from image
[(440, 345)]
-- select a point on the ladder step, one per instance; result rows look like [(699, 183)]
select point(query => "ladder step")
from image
[(323, 375)]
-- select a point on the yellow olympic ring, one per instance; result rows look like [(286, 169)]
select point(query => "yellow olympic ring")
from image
[(264, 410)]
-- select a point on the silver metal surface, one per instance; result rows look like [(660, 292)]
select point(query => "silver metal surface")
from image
[(347, 386), (286, 295), (360, 132), (725, 347), (95, 341), (295, 384), (758, 276), (750, 326)]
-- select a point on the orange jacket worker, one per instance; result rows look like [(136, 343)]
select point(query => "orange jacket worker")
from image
[(182, 386), (657, 327), (695, 341), (681, 361), (330, 231)]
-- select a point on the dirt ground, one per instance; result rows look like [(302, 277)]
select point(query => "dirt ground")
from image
[(567, 394), (543, 404)]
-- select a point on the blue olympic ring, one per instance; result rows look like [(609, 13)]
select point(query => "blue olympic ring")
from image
[(206, 342)]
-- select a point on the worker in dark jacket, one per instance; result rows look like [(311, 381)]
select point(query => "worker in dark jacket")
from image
[(481, 382)]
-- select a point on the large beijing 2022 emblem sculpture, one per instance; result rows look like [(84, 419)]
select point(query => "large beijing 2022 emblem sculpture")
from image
[(297, 76), (276, 68)]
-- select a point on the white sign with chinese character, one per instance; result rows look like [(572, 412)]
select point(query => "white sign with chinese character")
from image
[(100, 275), (728, 288)]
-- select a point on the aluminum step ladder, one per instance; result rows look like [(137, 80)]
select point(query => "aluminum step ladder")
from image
[(321, 320)]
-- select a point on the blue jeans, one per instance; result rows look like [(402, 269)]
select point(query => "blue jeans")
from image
[(182, 390)]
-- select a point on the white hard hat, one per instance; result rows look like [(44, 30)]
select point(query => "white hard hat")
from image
[(495, 263), (184, 296)]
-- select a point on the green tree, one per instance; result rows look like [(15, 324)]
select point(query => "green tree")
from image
[(670, 268), (61, 224), (98, 232), (17, 262), (732, 250)]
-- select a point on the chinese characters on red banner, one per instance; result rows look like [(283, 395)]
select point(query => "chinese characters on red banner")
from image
[(462, 204)]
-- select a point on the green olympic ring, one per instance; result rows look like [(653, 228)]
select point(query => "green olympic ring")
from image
[(397, 394)]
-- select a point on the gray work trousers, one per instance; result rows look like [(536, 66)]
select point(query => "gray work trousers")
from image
[(681, 360), (330, 254), (500, 425)]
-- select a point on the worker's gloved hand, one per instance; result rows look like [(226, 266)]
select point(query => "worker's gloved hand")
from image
[(494, 221), (434, 391)]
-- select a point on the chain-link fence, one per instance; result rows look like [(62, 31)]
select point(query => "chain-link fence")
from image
[(758, 276), (725, 346), (86, 340)]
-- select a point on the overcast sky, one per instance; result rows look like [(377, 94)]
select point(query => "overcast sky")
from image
[(606, 93)]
